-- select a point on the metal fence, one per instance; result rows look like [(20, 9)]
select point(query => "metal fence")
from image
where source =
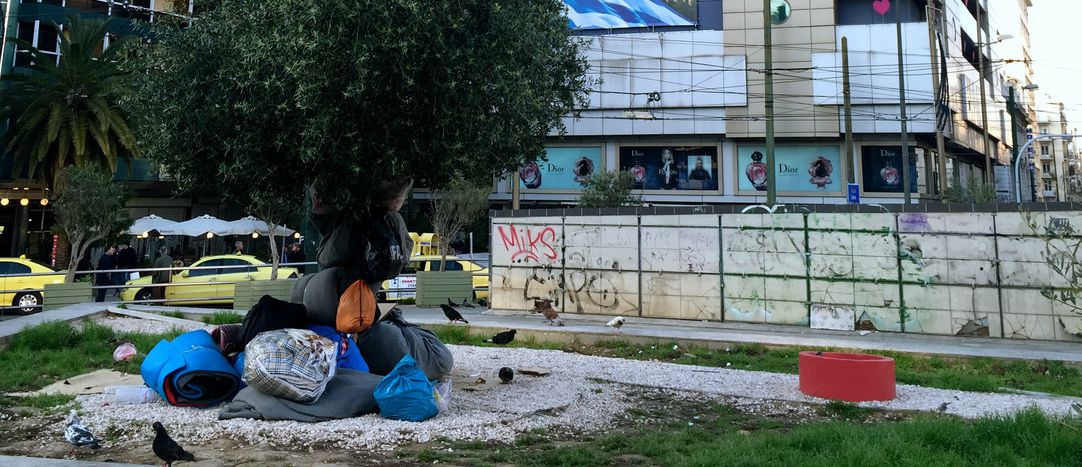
[(30, 299)]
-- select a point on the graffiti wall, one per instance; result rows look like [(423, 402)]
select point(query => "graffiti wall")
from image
[(1012, 275)]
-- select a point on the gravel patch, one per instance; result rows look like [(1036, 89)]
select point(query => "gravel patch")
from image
[(146, 326), (583, 393)]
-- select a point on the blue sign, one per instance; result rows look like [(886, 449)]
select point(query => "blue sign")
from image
[(854, 193), (618, 14), (567, 168)]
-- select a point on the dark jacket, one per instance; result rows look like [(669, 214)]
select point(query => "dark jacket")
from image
[(105, 263), (126, 259)]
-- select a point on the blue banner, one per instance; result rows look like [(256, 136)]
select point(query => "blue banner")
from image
[(799, 169), (618, 14), (567, 168)]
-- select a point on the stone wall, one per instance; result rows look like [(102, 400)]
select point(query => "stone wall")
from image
[(946, 273)]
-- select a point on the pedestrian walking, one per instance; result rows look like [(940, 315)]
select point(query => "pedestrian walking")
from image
[(104, 279), (164, 276)]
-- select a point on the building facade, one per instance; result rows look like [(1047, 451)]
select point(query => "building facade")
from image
[(680, 100)]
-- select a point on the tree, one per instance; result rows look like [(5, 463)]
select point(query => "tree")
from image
[(68, 113), (345, 93), (454, 208), (976, 191), (89, 207), (609, 190)]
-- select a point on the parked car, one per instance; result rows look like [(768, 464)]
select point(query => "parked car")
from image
[(25, 291), (408, 278), (211, 286)]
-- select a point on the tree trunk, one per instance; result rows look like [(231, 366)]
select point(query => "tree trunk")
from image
[(271, 227), (78, 251)]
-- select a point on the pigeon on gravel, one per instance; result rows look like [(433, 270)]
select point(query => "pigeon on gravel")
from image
[(616, 323), (77, 434), (502, 338), (168, 450), (552, 317), (452, 314), (506, 375)]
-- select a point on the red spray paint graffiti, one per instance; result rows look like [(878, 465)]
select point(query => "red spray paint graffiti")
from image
[(528, 244)]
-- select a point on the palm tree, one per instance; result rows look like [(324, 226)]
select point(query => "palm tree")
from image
[(67, 114)]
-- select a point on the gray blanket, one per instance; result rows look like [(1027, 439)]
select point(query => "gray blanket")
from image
[(348, 394), (384, 344)]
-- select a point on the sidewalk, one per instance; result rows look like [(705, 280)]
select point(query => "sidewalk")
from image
[(11, 327), (590, 328), (13, 461)]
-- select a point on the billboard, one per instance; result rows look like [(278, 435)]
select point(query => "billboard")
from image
[(800, 169), (881, 169), (671, 167), (618, 14), (567, 168)]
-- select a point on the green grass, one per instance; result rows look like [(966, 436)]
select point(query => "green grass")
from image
[(174, 314), (46, 353), (42, 402), (223, 317), (967, 374)]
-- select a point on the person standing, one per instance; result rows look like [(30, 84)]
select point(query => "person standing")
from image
[(164, 276), (125, 259), (238, 248), (104, 279)]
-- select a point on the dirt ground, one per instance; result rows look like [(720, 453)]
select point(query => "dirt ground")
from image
[(33, 432)]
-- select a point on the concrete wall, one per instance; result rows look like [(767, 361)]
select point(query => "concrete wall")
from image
[(971, 274)]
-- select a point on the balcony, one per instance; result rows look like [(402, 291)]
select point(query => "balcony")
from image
[(1048, 194), (1047, 175), (1046, 157)]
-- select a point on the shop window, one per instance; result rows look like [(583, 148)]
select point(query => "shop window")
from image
[(852, 12)]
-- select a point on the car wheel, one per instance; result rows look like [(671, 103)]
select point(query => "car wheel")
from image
[(28, 302), (144, 295)]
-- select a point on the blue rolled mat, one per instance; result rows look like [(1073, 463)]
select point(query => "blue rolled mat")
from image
[(190, 371)]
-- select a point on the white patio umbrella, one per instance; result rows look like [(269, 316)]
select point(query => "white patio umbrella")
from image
[(146, 224), (252, 224), (205, 224)]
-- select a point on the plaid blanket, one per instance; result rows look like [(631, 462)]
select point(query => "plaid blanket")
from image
[(293, 364)]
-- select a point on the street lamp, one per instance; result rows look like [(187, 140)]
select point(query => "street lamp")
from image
[(1022, 150)]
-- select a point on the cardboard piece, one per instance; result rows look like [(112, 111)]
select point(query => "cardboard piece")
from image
[(90, 383)]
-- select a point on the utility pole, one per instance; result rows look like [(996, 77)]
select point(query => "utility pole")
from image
[(1014, 135), (906, 160), (940, 145), (984, 102), (772, 167), (849, 165), (515, 190)]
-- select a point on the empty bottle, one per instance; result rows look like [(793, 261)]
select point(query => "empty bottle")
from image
[(132, 394)]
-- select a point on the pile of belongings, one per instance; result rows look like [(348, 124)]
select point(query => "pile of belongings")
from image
[(322, 355)]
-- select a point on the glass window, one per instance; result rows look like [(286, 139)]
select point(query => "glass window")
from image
[(1044, 149), (206, 272), (237, 262), (48, 38), (26, 31), (16, 268), (5, 268), (867, 12), (453, 266), (413, 267)]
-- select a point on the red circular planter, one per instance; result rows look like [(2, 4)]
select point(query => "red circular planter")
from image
[(850, 377)]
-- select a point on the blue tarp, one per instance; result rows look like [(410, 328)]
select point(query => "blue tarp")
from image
[(615, 14), (190, 371)]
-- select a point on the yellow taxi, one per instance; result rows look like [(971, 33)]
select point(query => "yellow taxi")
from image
[(213, 285), (408, 278), (24, 291)]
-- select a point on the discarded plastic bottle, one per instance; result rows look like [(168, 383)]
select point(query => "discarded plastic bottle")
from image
[(133, 394)]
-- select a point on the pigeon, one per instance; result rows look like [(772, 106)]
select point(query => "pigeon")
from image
[(502, 338), (616, 323), (452, 302), (943, 406), (506, 375), (466, 303), (552, 316), (77, 434), (168, 450), (453, 314)]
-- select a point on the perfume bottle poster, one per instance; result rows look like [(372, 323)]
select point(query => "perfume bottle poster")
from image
[(799, 169), (671, 167), (567, 168), (881, 169)]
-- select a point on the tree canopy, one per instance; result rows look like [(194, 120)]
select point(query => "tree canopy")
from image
[(260, 97), (89, 207), (68, 114)]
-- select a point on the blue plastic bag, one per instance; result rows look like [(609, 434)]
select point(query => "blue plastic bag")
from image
[(406, 394)]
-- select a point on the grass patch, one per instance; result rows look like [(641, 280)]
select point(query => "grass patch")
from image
[(846, 410), (966, 374), (52, 351), (174, 314), (223, 317), (43, 402)]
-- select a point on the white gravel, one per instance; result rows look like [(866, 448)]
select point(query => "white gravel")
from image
[(582, 393), (147, 326)]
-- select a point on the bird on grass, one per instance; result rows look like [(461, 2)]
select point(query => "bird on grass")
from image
[(506, 375), (453, 314), (168, 450), (502, 338), (552, 316), (77, 434), (616, 323)]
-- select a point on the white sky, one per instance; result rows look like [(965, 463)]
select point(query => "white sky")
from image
[(1055, 28)]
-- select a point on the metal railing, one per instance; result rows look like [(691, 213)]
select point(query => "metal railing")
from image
[(394, 293)]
